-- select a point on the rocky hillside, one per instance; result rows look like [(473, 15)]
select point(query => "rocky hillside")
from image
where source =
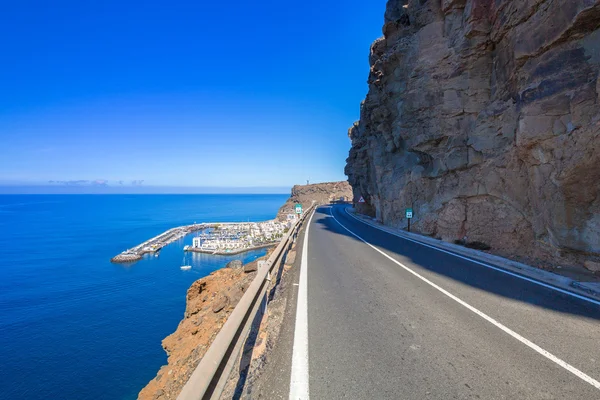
[(209, 302), (322, 193), (483, 116)]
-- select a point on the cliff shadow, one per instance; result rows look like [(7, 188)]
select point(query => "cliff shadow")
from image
[(455, 268)]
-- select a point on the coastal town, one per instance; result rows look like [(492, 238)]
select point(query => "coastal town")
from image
[(213, 238), (238, 237), (227, 238)]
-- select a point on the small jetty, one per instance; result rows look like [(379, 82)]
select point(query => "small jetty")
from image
[(155, 244)]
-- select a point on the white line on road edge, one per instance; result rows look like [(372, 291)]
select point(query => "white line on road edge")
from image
[(504, 271), (299, 379), (512, 333)]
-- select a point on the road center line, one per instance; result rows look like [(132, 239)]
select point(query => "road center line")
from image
[(299, 378), (512, 333)]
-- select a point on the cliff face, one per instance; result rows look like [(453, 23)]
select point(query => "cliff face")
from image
[(209, 302), (322, 193), (483, 115)]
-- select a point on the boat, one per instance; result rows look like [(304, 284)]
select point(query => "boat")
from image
[(185, 266)]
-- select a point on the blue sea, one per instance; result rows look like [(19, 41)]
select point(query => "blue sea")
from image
[(75, 326)]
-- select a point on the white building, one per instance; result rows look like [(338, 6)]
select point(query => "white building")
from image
[(196, 242)]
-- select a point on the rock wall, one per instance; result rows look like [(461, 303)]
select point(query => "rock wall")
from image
[(322, 193), (483, 115)]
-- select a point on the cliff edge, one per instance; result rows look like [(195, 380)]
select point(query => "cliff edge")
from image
[(209, 302), (483, 116)]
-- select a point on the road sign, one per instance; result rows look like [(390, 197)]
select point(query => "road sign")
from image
[(409, 213), (361, 200), (298, 208)]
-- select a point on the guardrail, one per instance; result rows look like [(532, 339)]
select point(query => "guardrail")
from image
[(212, 373)]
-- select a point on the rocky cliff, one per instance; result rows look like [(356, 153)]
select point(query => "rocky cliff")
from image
[(483, 116), (209, 302), (321, 193)]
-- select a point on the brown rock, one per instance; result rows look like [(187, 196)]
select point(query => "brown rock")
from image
[(234, 264), (592, 266), (251, 267), (484, 118), (220, 304)]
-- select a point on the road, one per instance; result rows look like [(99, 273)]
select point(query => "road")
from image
[(385, 318)]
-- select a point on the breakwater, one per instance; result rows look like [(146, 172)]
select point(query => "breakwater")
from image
[(155, 244)]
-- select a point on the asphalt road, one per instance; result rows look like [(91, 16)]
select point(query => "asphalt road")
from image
[(391, 319)]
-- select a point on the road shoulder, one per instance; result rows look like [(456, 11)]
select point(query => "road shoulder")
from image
[(587, 290), (270, 379)]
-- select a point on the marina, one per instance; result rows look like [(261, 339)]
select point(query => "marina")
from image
[(215, 238), (154, 245)]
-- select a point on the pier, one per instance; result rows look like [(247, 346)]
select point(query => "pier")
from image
[(155, 244)]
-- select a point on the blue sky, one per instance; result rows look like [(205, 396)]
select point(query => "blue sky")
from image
[(181, 94)]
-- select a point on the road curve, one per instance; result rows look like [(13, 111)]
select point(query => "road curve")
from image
[(390, 319)]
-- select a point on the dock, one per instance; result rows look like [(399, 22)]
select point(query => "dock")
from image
[(155, 244)]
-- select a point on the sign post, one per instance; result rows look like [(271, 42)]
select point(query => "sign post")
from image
[(298, 209), (409, 215)]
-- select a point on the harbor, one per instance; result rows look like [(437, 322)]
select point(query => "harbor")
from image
[(224, 238), (154, 245)]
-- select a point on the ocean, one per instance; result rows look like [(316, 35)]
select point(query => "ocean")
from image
[(75, 326)]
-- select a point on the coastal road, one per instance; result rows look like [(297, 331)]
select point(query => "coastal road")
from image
[(378, 317)]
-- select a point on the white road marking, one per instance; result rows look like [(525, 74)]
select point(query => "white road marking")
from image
[(512, 333), (580, 297), (299, 379)]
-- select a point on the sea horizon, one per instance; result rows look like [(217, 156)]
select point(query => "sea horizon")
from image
[(145, 189)]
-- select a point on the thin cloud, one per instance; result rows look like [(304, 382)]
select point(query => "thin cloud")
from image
[(70, 183), (96, 182)]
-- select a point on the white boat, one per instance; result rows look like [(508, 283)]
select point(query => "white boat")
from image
[(185, 266)]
